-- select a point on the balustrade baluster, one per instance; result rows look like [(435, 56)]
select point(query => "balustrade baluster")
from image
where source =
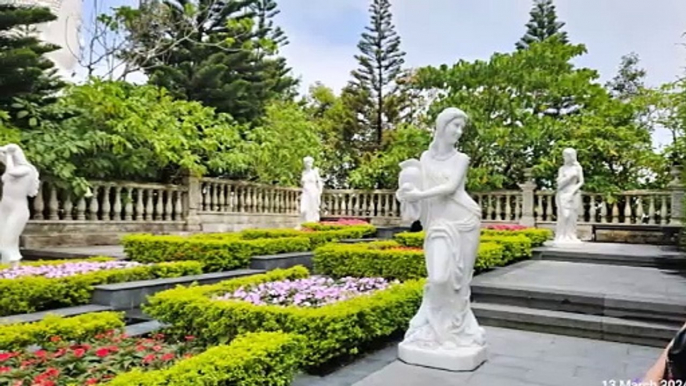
[(549, 208), (116, 208), (592, 210), (94, 204), (138, 209), (615, 213), (81, 208), (128, 204), (651, 210), (498, 208), (159, 204), (68, 207), (168, 204), (663, 210), (538, 213), (53, 204), (149, 205), (38, 203), (106, 203), (178, 206), (639, 210), (626, 211), (249, 199)]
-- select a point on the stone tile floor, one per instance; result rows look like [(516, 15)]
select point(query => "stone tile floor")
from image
[(517, 358)]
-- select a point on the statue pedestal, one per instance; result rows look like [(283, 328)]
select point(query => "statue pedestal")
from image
[(459, 359)]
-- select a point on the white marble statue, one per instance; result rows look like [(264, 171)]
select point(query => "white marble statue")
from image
[(570, 179), (19, 182), (312, 188), (444, 333)]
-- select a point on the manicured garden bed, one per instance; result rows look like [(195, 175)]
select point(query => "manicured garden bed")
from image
[(535, 235), (39, 286), (319, 234), (366, 311), (100, 354), (391, 260)]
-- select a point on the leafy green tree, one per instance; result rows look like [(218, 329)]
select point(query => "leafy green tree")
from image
[(543, 24), (221, 53), (380, 61), (275, 150), (24, 70), (629, 81)]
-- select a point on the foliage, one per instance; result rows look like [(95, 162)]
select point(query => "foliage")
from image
[(92, 361), (380, 61), (317, 238), (538, 236), (114, 131), (341, 223), (216, 253), (379, 170), (39, 293), (516, 246), (542, 25), (221, 54), (254, 359), (76, 328), (275, 150), (525, 107), (389, 260), (331, 331), (26, 73), (629, 81)]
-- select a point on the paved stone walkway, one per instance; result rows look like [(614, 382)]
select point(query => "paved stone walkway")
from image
[(517, 358), (594, 279), (620, 249)]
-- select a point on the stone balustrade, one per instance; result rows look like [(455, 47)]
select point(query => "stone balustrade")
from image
[(360, 204), (243, 197)]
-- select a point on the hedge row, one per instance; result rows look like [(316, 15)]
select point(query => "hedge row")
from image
[(390, 260), (535, 235), (216, 253), (331, 331), (20, 335), (257, 359), (317, 237), (38, 293)]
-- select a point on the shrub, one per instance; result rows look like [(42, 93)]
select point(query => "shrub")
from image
[(538, 236), (335, 225), (38, 293), (331, 331), (255, 359), (410, 239), (217, 253), (388, 260), (20, 335), (516, 247), (317, 237)]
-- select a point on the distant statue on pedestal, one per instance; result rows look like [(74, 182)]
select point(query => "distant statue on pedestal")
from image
[(444, 333), (570, 179), (20, 181), (312, 188)]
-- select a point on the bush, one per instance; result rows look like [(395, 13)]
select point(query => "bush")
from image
[(20, 335), (39, 293), (538, 236), (515, 247), (317, 237), (331, 331), (216, 252), (256, 359), (388, 260), (342, 223)]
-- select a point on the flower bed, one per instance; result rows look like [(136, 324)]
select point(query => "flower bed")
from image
[(66, 269), (17, 336), (32, 293), (331, 330), (308, 292), (216, 252), (90, 362), (536, 235), (390, 260), (317, 237)]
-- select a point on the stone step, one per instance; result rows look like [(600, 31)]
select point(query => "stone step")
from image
[(573, 324), (627, 307), (281, 260), (615, 254), (143, 328), (131, 295), (66, 312)]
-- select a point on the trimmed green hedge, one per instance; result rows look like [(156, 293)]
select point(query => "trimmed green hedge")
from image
[(20, 335), (217, 253), (38, 293), (318, 227), (514, 247), (331, 331), (317, 237), (538, 236), (256, 359), (389, 260)]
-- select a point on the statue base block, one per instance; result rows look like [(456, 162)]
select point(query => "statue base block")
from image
[(460, 359)]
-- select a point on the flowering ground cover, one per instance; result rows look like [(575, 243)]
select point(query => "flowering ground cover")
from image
[(91, 362), (64, 270), (506, 227), (315, 291)]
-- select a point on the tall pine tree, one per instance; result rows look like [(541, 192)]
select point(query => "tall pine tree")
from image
[(380, 63), (223, 54), (543, 24), (24, 70)]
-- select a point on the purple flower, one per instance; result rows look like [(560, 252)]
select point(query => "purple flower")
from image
[(65, 270)]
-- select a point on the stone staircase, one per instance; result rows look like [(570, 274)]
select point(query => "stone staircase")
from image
[(621, 293)]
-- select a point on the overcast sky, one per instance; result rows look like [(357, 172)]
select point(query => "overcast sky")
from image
[(323, 34)]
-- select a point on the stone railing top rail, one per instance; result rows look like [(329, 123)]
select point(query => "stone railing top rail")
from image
[(138, 185), (248, 184)]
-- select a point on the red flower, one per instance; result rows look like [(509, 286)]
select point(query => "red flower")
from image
[(91, 381), (168, 357), (5, 369), (158, 336), (60, 352), (55, 339), (190, 338), (79, 352), (40, 353), (140, 348), (149, 358), (6, 355), (103, 352), (156, 347), (51, 372)]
